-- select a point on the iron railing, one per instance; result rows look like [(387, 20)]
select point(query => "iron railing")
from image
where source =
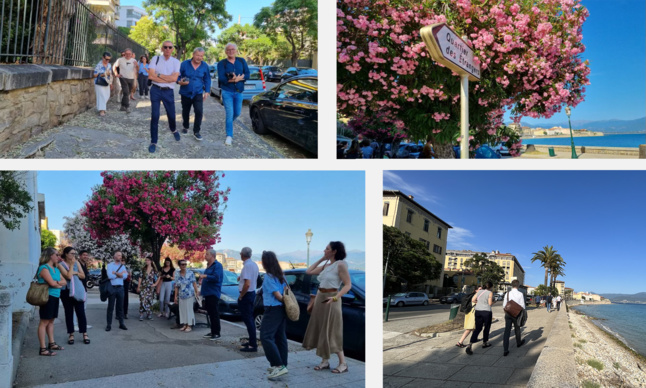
[(57, 32)]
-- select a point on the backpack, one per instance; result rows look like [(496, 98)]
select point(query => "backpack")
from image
[(466, 305)]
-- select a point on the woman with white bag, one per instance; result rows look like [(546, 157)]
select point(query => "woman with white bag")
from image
[(73, 294)]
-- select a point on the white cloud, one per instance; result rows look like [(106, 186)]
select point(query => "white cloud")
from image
[(392, 181), (458, 238)]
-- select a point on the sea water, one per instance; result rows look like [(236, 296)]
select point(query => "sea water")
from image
[(626, 321), (628, 141)]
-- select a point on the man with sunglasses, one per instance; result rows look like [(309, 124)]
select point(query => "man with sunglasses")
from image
[(164, 71)]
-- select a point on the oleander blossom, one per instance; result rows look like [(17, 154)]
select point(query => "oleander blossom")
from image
[(530, 56)]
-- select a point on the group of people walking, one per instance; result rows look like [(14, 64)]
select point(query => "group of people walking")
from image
[(159, 77), (324, 331)]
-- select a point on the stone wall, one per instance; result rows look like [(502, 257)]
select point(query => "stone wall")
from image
[(35, 98), (634, 152)]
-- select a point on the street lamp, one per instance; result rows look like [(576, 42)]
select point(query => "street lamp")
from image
[(567, 112), (308, 238)]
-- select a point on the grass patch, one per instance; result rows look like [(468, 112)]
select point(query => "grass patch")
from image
[(616, 365), (590, 384), (578, 346), (455, 324), (583, 341), (595, 364)]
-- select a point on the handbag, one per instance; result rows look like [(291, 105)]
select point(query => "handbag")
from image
[(291, 305), (105, 285), (512, 308), (38, 293), (470, 319), (310, 305), (77, 291), (101, 81)]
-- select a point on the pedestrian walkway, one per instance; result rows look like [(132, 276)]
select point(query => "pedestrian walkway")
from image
[(411, 361), (124, 135), (149, 353)]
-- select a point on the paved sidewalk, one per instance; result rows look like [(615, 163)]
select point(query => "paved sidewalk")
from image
[(411, 361), (149, 353), (120, 135)]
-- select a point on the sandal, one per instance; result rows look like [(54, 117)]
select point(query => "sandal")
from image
[(188, 329), (322, 365), (70, 340), (86, 340), (183, 329), (45, 352), (460, 345), (54, 346), (337, 370)]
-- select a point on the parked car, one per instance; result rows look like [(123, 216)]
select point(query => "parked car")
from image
[(497, 297), (409, 151), (486, 152), (296, 71), (408, 299), (453, 298), (501, 149), (213, 69), (353, 307), (289, 110), (254, 85), (272, 73)]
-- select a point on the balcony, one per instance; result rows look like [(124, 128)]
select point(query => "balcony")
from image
[(105, 6)]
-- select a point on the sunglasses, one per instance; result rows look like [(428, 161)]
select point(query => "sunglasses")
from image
[(183, 265), (168, 47)]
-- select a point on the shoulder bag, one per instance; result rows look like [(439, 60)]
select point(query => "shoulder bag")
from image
[(150, 83), (77, 291), (470, 317), (512, 308), (38, 293), (291, 305)]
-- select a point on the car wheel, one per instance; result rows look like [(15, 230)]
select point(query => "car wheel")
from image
[(400, 304), (258, 321), (425, 303), (257, 124)]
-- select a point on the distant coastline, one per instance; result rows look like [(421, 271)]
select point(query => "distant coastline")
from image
[(605, 141)]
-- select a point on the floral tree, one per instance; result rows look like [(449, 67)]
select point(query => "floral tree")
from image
[(529, 54), (182, 208), (78, 236), (175, 253)]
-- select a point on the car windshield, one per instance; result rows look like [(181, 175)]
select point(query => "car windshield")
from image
[(254, 74), (359, 280), (229, 279)]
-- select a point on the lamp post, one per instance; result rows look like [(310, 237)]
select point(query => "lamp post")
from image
[(567, 112), (308, 238)]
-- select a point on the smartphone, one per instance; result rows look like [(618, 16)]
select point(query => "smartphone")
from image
[(184, 79)]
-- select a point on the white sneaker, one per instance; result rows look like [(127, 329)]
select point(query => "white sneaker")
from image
[(278, 371), (228, 141), (76, 328), (89, 326), (271, 369)]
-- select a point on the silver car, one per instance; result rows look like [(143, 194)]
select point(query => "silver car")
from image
[(254, 85), (408, 299)]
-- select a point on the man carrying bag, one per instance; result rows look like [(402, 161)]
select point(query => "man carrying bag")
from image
[(514, 306)]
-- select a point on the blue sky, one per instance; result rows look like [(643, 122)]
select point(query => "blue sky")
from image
[(614, 36), (595, 219), (266, 210), (245, 9)]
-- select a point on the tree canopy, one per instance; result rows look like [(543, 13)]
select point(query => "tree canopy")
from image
[(252, 43), (485, 269), (529, 53), (550, 260), (15, 201), (47, 239), (150, 34)]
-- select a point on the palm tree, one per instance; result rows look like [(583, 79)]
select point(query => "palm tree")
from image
[(547, 257), (556, 269)]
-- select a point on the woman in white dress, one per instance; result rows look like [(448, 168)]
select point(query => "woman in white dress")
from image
[(103, 82)]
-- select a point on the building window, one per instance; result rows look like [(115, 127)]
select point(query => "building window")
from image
[(439, 232), (409, 216), (129, 24), (428, 244), (407, 234), (426, 224), (437, 249), (386, 207)]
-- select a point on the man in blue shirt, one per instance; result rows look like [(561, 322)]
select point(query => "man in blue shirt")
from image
[(211, 290), (232, 72), (117, 272), (195, 79)]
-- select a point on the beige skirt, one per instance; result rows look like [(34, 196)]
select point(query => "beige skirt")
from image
[(325, 328), (186, 315)]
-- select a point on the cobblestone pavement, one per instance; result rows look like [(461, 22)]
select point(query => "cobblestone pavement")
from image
[(411, 361), (122, 136)]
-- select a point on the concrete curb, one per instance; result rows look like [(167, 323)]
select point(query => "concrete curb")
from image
[(16, 345), (556, 362)]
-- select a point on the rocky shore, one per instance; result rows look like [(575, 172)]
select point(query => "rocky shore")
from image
[(601, 359)]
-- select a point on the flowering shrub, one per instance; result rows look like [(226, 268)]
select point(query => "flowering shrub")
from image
[(528, 51), (183, 208)]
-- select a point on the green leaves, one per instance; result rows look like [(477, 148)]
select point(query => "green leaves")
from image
[(15, 201)]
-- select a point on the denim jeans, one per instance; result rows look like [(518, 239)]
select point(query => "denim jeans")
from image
[(197, 103), (548, 305), (272, 335), (117, 296), (245, 305), (232, 107), (167, 97), (142, 82)]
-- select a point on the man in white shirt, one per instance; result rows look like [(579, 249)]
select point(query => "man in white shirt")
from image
[(163, 73), (519, 298), (128, 69), (117, 272), (558, 303), (247, 284)]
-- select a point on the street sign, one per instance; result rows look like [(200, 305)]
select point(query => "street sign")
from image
[(447, 48)]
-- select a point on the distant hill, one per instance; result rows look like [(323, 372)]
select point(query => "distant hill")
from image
[(605, 126), (639, 297), (356, 259)]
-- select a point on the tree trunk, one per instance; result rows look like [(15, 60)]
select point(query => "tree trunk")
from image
[(546, 271), (444, 151)]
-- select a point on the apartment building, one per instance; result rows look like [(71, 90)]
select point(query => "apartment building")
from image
[(129, 16)]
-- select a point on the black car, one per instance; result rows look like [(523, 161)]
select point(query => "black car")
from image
[(453, 298), (354, 309), (289, 110), (296, 71), (272, 73)]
